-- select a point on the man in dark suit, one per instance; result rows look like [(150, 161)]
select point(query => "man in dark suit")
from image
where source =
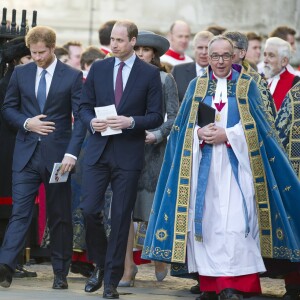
[(184, 73), (117, 159), (39, 102)]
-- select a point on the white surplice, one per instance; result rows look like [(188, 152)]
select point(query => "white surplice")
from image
[(225, 251)]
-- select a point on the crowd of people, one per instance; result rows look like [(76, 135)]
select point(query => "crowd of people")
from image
[(187, 162)]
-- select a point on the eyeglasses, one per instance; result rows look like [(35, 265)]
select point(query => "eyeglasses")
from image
[(216, 57)]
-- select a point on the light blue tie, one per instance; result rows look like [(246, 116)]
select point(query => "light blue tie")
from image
[(41, 92)]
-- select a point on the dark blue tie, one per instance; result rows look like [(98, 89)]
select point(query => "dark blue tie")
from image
[(41, 92)]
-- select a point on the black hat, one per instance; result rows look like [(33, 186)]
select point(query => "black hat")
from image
[(153, 40), (14, 49)]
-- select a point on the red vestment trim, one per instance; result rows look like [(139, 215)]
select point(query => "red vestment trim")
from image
[(138, 260), (5, 200), (41, 200), (292, 278), (80, 256), (175, 55), (246, 283), (284, 84), (105, 50)]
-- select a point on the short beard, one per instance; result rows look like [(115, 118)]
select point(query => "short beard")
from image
[(268, 71)]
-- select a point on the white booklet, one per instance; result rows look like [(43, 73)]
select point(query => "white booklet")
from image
[(56, 176), (107, 111)]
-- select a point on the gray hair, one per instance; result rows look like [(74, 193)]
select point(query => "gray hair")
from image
[(219, 38), (283, 47), (239, 39), (202, 35)]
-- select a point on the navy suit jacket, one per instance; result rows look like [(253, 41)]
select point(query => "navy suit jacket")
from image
[(141, 99), (63, 98), (183, 74)]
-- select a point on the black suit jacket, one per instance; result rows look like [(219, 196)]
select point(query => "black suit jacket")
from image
[(183, 74), (141, 99), (63, 98)]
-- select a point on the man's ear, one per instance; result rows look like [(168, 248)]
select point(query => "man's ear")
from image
[(242, 53), (133, 41), (284, 61)]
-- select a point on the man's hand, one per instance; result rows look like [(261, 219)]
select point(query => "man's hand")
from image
[(68, 164), (99, 125), (212, 134), (150, 138), (118, 122), (36, 124)]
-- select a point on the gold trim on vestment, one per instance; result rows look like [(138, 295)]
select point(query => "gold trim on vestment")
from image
[(294, 138), (256, 163), (184, 185), (185, 171)]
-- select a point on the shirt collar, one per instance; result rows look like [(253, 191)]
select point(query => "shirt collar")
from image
[(50, 68), (129, 62), (199, 69), (277, 76)]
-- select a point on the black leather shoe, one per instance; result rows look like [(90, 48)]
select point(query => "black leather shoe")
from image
[(230, 294), (5, 276), (22, 272), (94, 283), (195, 289), (207, 296), (60, 282), (110, 292)]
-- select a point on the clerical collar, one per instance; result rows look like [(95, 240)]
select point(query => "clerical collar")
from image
[(228, 77), (176, 55)]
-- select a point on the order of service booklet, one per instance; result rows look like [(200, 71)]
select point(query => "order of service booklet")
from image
[(107, 111), (56, 176)]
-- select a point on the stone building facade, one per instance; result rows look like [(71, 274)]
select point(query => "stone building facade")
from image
[(80, 20)]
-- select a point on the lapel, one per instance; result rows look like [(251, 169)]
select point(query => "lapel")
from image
[(110, 77), (56, 81), (130, 82), (29, 80), (191, 69)]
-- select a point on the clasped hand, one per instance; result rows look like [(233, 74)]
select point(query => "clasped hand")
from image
[(36, 124), (116, 122), (212, 134)]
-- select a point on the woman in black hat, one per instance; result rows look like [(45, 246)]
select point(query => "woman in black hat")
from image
[(149, 47)]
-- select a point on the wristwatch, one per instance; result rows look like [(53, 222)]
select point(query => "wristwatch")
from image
[(26, 124), (132, 123)]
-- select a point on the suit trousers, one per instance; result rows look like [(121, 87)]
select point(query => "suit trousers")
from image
[(58, 200), (108, 253)]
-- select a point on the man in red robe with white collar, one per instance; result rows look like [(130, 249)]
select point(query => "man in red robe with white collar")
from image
[(179, 38), (277, 54)]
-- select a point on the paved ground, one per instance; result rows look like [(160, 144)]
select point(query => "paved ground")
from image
[(146, 287)]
